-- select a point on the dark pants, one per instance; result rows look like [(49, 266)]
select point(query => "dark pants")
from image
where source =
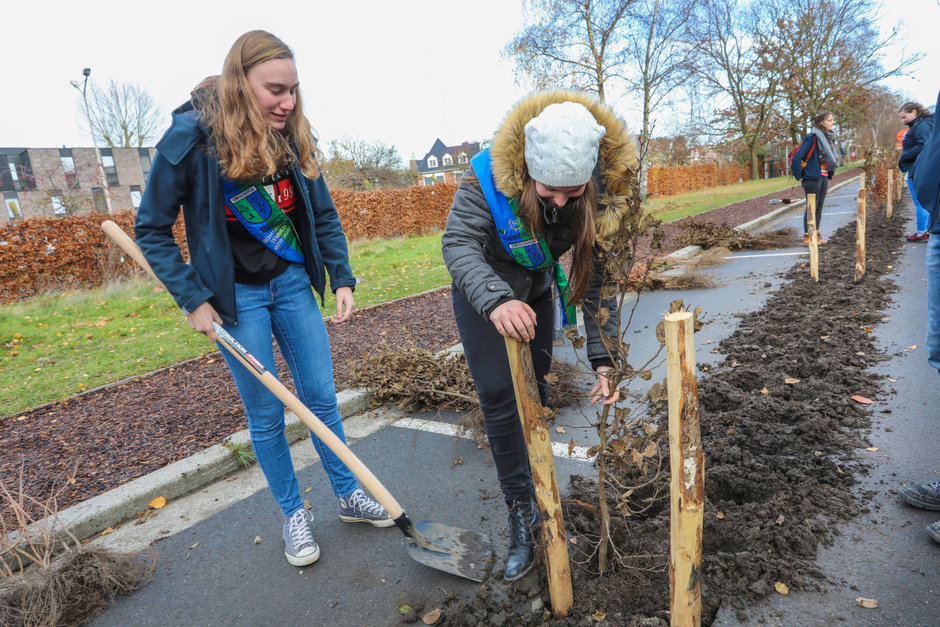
[(818, 187), (486, 355)]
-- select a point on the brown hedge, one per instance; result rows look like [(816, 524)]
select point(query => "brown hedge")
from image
[(43, 254), (387, 213), (680, 179)]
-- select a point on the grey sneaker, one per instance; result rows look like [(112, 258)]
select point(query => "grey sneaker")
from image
[(922, 495), (299, 546), (358, 507), (933, 530)]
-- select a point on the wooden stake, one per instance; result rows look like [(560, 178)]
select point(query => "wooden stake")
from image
[(860, 237), (889, 196), (861, 181), (542, 462), (813, 235), (899, 188), (687, 469)]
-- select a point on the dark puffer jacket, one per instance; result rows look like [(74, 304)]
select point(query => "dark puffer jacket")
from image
[(927, 183), (920, 129)]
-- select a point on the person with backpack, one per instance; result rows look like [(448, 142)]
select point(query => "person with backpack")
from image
[(241, 161), (556, 178), (813, 163), (920, 127)]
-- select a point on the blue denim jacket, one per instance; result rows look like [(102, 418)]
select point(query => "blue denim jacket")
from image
[(186, 173)]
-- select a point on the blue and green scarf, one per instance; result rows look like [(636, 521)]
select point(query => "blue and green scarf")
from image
[(527, 250)]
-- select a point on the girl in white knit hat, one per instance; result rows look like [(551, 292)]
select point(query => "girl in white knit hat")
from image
[(527, 200)]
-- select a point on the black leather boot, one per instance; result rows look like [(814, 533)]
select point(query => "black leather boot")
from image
[(523, 516)]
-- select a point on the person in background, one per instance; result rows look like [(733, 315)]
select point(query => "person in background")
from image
[(556, 176), (241, 160), (920, 126), (813, 164), (926, 186)]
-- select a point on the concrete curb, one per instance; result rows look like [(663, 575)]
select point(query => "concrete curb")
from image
[(116, 506), (773, 215), (684, 254), (113, 507)]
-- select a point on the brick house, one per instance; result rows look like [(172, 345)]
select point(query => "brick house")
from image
[(445, 164), (57, 181)]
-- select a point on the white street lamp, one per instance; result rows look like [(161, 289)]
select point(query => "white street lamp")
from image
[(82, 86)]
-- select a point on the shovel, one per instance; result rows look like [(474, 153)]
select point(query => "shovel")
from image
[(450, 549)]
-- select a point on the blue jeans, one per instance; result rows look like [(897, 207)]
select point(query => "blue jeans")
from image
[(485, 350), (933, 300), (923, 216), (286, 308)]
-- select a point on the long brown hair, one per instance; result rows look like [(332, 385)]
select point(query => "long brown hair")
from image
[(248, 147), (585, 206), (913, 107)]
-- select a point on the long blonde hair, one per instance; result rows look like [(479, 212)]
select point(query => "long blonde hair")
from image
[(248, 148), (585, 206)]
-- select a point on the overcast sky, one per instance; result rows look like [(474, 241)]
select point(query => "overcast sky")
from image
[(404, 72)]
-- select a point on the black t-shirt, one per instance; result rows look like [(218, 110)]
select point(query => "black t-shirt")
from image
[(255, 264)]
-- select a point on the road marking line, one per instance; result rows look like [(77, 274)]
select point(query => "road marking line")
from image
[(804, 252), (443, 428)]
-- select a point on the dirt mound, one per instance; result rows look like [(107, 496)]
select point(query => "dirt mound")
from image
[(780, 431)]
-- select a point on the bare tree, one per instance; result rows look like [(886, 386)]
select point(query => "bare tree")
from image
[(124, 115), (358, 164), (832, 51), (657, 49), (733, 64), (577, 44)]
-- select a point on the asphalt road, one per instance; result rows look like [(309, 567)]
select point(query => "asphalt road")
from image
[(214, 570)]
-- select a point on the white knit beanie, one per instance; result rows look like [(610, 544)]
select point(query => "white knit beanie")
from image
[(561, 145)]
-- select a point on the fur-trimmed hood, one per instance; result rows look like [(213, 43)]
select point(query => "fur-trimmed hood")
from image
[(617, 160)]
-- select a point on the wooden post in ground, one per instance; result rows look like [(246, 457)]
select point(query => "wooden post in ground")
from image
[(899, 188), (542, 462), (889, 196), (861, 180), (687, 469), (860, 237), (813, 236)]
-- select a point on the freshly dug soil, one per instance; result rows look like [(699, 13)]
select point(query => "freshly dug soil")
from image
[(110, 436), (780, 434)]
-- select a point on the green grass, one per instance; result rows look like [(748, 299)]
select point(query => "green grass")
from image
[(54, 346), (389, 269), (671, 208), (58, 345)]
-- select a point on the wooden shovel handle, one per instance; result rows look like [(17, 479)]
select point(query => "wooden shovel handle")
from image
[(363, 474)]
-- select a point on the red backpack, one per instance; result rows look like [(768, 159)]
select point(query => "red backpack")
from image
[(808, 154)]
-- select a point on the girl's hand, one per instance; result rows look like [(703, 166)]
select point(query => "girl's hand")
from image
[(345, 303), (514, 319), (602, 389), (201, 319)]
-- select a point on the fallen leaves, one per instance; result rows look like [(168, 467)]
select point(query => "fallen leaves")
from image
[(867, 603), (781, 587), (157, 503), (791, 381), (861, 399)]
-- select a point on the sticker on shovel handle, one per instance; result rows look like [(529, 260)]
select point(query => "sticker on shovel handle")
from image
[(226, 337)]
